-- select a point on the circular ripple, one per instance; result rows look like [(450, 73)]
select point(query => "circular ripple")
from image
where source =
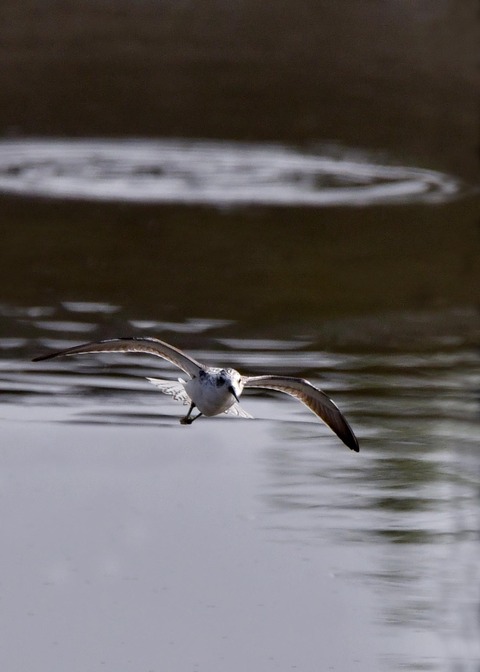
[(213, 173)]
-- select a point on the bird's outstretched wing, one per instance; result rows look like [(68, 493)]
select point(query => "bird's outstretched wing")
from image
[(316, 400), (149, 346)]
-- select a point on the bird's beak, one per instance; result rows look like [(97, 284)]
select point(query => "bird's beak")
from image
[(231, 389)]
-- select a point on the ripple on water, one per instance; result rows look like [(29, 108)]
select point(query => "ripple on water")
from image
[(213, 173)]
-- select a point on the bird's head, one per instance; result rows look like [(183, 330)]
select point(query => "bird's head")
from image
[(232, 380)]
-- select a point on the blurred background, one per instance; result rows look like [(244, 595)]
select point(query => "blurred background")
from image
[(285, 186)]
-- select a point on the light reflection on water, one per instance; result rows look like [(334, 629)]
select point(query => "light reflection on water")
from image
[(411, 497), (213, 173)]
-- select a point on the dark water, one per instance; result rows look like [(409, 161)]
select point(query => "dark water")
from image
[(346, 249), (387, 75)]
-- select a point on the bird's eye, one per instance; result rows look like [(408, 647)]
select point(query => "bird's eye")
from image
[(221, 379)]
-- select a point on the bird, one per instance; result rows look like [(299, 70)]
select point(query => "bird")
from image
[(213, 390)]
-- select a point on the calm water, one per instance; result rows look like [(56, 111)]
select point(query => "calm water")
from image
[(131, 542), (327, 228)]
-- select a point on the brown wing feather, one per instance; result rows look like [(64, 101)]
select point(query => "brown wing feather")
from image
[(151, 346), (316, 400)]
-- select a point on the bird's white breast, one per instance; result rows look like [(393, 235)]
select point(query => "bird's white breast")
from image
[(208, 397)]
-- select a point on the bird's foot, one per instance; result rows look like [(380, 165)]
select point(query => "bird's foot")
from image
[(188, 419)]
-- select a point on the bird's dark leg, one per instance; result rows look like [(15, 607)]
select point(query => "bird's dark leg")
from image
[(187, 420)]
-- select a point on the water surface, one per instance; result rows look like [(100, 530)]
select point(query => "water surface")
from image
[(260, 543), (277, 187), (213, 173)]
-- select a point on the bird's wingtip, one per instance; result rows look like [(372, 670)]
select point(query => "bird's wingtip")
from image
[(353, 444)]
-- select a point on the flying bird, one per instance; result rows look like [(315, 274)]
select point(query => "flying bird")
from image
[(214, 390)]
